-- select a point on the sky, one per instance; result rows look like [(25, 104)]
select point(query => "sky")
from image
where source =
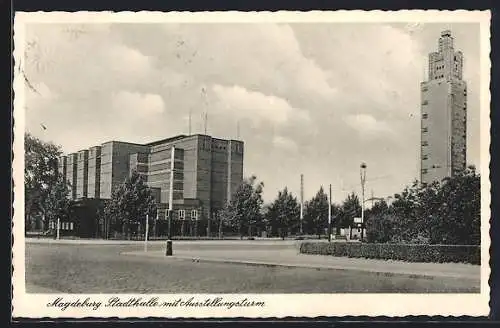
[(311, 99)]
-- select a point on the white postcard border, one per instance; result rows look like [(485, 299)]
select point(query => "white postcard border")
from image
[(276, 305)]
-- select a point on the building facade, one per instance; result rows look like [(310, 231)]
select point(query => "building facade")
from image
[(443, 114), (207, 171)]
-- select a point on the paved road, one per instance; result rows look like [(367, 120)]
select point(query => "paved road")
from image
[(290, 257), (123, 268), (279, 252)]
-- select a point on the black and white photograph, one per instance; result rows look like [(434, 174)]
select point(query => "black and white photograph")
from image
[(251, 164)]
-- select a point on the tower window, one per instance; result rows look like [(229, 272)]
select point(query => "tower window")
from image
[(425, 129), (425, 115), (425, 102), (424, 171), (424, 157), (425, 143)]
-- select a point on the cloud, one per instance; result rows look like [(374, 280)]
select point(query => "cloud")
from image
[(124, 59), (259, 57), (137, 103), (367, 125), (311, 87), (257, 106), (285, 143)]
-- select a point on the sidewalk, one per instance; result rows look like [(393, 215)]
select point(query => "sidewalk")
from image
[(259, 242), (291, 258)]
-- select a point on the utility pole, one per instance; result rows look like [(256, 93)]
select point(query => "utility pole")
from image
[(301, 203), (362, 173), (330, 214), (170, 201)]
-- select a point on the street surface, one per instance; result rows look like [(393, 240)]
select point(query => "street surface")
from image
[(259, 266)]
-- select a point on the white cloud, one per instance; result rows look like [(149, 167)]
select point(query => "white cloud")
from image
[(285, 143), (344, 80), (123, 58), (137, 103), (257, 106), (367, 125)]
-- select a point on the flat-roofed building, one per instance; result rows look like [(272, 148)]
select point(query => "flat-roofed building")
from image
[(207, 172)]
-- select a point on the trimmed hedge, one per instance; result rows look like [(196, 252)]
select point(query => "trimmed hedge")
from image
[(402, 252)]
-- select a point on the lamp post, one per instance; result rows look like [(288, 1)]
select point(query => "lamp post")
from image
[(362, 173), (170, 201)]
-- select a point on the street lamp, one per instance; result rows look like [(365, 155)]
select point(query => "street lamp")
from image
[(362, 173), (170, 201)]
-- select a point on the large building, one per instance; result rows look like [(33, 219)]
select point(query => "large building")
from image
[(443, 114), (207, 171)]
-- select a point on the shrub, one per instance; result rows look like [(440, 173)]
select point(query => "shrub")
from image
[(402, 252)]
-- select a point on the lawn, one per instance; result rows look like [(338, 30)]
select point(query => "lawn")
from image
[(101, 269)]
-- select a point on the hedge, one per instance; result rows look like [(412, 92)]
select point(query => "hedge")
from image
[(402, 252)]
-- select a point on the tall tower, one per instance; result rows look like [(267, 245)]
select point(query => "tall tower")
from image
[(444, 114)]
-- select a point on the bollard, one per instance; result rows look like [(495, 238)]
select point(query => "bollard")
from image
[(169, 248)]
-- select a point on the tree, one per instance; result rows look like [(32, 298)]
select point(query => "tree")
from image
[(283, 214), (40, 174), (379, 229), (405, 209), (350, 208), (244, 211), (57, 203), (446, 212), (316, 212), (459, 214), (130, 203)]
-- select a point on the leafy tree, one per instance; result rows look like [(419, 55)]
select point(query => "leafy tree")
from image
[(350, 208), (283, 214), (40, 174), (130, 202), (244, 212), (405, 208), (459, 216), (316, 212), (379, 229), (446, 212), (57, 203), (379, 208)]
